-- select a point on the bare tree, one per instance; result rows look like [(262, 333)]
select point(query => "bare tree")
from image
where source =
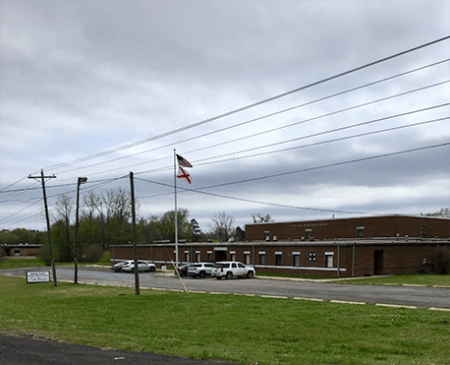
[(258, 218), (444, 213), (223, 226), (118, 215), (64, 209)]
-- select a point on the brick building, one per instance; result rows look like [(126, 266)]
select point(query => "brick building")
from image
[(334, 248), (20, 250), (361, 227), (338, 258)]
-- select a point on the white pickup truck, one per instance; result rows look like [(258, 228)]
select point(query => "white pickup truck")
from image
[(230, 269)]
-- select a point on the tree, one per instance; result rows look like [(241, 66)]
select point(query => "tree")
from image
[(61, 228), (222, 227), (118, 229), (163, 226), (444, 213), (22, 235), (240, 234), (92, 223), (196, 232), (258, 218)]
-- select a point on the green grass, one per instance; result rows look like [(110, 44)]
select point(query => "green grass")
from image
[(240, 329), (15, 263), (18, 263), (295, 276), (413, 279)]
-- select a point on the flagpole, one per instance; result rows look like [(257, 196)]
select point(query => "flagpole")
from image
[(176, 208)]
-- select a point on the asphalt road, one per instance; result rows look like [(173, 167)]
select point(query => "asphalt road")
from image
[(30, 351), (394, 295)]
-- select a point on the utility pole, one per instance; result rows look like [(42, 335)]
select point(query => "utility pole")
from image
[(81, 180), (42, 177), (133, 215)]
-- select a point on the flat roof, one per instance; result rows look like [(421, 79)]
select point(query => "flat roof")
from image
[(354, 218)]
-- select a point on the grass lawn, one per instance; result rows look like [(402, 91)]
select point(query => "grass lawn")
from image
[(240, 329), (413, 279), (15, 263)]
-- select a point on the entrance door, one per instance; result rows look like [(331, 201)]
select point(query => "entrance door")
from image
[(378, 262), (221, 255)]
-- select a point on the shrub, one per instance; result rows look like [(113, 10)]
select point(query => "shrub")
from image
[(105, 259), (44, 255), (92, 253), (439, 263)]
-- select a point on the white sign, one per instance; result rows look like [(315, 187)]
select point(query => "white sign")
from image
[(38, 276)]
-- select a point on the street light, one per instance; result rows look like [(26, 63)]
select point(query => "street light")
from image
[(81, 180)]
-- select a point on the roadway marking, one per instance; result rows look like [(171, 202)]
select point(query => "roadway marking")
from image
[(274, 296), (281, 297), (440, 309), (395, 306), (346, 302), (312, 299)]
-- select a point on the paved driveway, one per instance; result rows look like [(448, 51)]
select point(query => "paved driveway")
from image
[(395, 295), (29, 351)]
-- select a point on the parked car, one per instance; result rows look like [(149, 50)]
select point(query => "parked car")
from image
[(229, 269), (142, 266), (183, 270), (201, 269), (118, 267)]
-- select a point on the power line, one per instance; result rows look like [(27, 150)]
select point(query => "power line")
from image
[(236, 110), (249, 200), (335, 164), (324, 142), (280, 128), (328, 165), (249, 106), (258, 118)]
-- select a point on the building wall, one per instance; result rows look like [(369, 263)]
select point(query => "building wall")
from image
[(347, 258), (385, 226), (20, 250)]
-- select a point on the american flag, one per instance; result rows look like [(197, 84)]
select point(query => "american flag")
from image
[(183, 162)]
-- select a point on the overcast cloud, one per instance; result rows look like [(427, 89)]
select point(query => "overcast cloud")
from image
[(100, 88)]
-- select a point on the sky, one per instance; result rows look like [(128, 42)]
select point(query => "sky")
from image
[(303, 110)]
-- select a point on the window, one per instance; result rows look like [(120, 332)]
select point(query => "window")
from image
[(278, 260), (232, 255), (247, 258), (296, 256), (17, 252), (186, 256), (266, 235), (360, 231), (197, 257), (210, 256), (262, 258), (329, 259)]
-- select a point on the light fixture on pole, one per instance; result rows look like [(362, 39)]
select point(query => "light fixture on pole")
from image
[(81, 180)]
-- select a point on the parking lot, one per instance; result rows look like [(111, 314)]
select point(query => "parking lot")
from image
[(374, 294)]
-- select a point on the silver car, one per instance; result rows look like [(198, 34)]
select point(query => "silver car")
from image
[(118, 266), (142, 266)]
